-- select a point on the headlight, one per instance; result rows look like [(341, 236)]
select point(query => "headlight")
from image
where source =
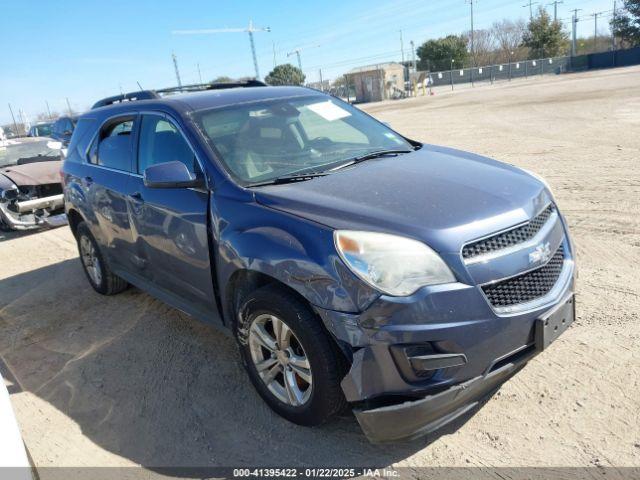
[(394, 265)]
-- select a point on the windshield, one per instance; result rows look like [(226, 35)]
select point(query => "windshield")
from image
[(261, 141), (11, 151), (43, 130)]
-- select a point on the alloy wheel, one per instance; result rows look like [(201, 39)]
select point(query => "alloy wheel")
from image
[(90, 260), (280, 360)]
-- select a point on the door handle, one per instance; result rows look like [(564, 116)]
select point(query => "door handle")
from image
[(136, 196)]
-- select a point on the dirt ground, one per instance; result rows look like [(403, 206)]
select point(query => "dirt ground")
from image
[(127, 380)]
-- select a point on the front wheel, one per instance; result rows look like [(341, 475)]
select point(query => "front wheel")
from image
[(289, 357)]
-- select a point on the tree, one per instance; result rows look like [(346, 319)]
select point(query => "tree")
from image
[(222, 79), (626, 23), (544, 37), (508, 36), (484, 46), (285, 74), (437, 54)]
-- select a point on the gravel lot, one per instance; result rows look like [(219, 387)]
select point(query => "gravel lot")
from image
[(126, 380)]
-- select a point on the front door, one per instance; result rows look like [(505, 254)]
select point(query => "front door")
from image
[(170, 225)]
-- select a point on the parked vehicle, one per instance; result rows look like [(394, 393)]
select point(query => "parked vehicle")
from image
[(41, 130), (354, 266), (63, 129), (30, 188)]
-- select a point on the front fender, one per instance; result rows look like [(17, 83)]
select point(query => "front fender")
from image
[(292, 250)]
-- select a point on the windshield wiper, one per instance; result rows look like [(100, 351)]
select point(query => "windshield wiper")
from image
[(369, 156), (294, 177)]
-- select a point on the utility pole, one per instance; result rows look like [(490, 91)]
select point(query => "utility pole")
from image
[(250, 30), (613, 29), (175, 66), (413, 56), (473, 47), (297, 54), (530, 5), (574, 23), (274, 54), (595, 30), (555, 9), (69, 106), (401, 46), (321, 84), (15, 125), (48, 109), (199, 73)]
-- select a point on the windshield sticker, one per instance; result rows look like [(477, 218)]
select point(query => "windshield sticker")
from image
[(329, 111)]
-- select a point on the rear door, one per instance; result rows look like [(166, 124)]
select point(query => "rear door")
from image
[(106, 181), (170, 224)]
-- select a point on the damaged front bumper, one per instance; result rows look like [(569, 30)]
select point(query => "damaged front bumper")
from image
[(417, 363), (413, 419), (33, 213)]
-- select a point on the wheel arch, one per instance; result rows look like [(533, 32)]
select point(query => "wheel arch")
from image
[(74, 217), (245, 281)]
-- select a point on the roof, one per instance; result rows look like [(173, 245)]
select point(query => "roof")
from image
[(195, 101), (377, 66)]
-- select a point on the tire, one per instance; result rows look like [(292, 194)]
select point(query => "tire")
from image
[(322, 398), (100, 276)]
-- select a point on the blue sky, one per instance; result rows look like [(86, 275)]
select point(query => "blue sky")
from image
[(85, 50)]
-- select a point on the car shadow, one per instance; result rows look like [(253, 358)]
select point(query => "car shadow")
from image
[(150, 384)]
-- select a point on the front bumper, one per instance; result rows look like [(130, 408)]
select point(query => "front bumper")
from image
[(471, 351), (410, 420)]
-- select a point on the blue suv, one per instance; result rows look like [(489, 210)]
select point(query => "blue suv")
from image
[(355, 267)]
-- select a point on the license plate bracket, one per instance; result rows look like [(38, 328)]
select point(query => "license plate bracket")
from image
[(554, 324)]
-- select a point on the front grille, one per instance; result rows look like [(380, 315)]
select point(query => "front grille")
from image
[(509, 238), (526, 287)]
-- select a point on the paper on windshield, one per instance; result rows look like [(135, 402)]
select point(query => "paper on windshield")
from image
[(328, 110)]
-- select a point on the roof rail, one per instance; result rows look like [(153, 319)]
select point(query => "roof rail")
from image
[(127, 97), (154, 94), (199, 87)]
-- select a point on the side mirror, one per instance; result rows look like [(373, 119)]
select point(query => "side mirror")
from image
[(170, 175)]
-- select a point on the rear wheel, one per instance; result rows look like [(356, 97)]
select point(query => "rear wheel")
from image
[(101, 278), (289, 357)]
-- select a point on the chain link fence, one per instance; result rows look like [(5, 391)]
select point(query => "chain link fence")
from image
[(420, 81)]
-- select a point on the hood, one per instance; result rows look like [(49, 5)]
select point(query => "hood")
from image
[(442, 196), (37, 173)]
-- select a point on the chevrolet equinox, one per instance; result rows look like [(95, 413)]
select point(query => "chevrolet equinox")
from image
[(355, 267)]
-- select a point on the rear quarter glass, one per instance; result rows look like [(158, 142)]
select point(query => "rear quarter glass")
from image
[(82, 135)]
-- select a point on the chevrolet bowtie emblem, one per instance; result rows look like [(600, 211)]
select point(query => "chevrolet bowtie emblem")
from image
[(541, 254)]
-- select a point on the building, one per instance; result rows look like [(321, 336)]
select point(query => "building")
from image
[(374, 83)]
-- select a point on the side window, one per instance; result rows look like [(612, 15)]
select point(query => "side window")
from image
[(160, 142), (114, 146)]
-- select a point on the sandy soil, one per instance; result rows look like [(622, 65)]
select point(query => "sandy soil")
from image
[(129, 381)]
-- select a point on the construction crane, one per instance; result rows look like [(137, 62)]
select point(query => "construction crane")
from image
[(250, 30), (297, 51)]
